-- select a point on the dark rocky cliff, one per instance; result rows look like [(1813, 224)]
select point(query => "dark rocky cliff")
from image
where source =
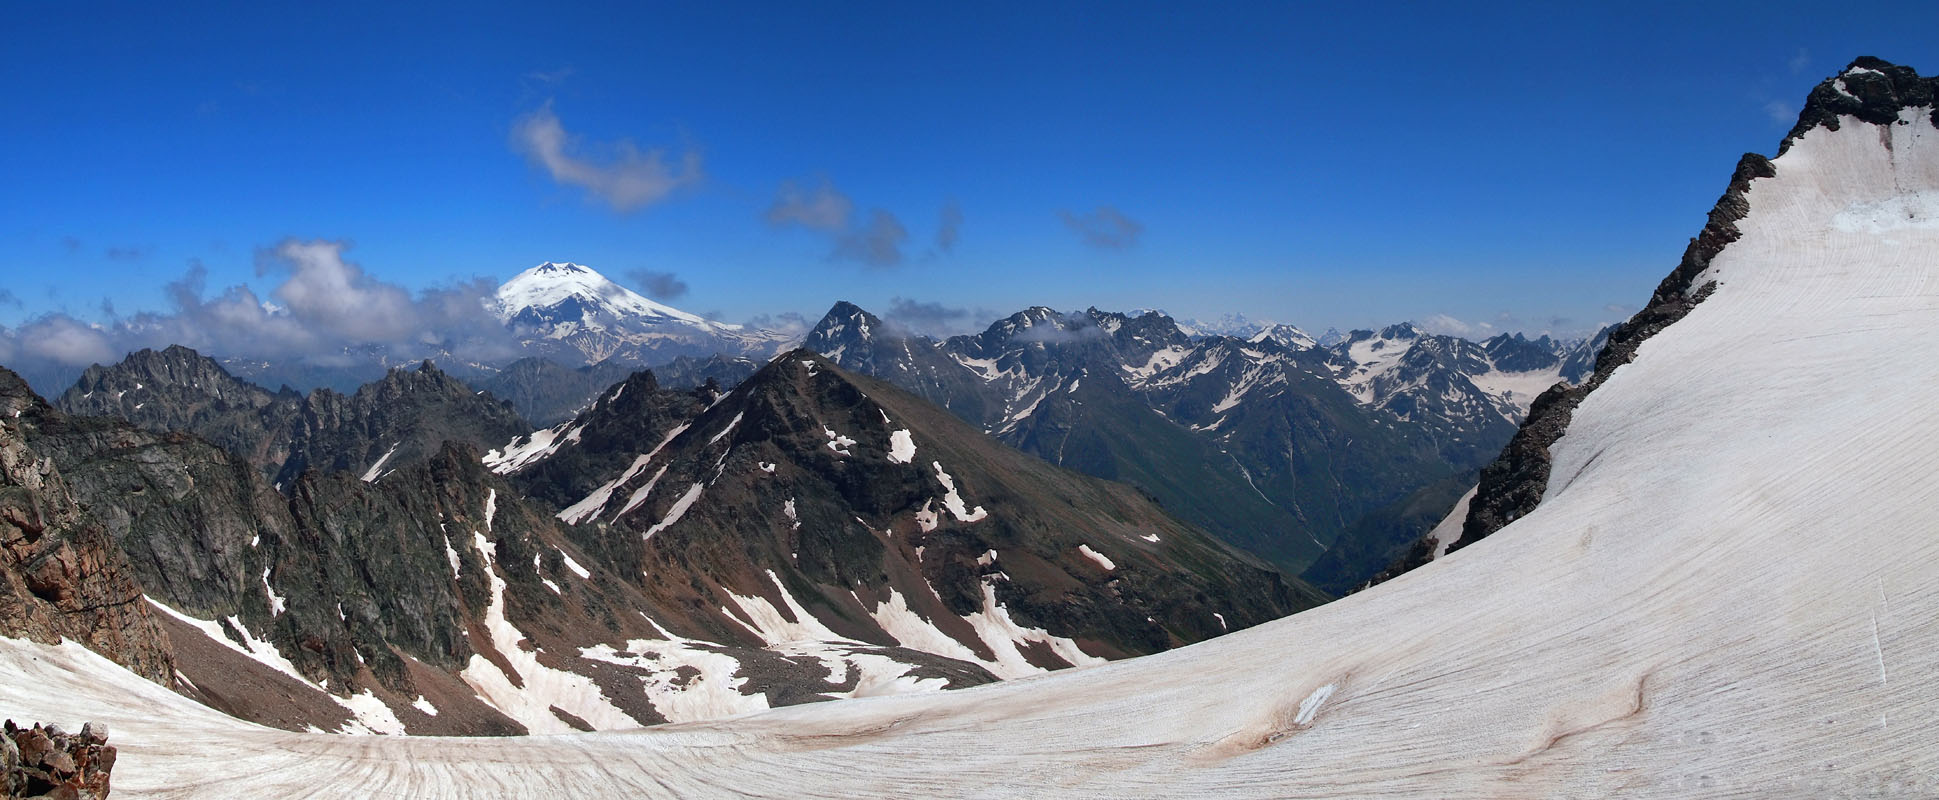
[(61, 574)]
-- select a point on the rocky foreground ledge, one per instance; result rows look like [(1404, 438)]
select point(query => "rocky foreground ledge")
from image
[(46, 762)]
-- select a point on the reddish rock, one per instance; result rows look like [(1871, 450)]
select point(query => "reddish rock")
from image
[(44, 762)]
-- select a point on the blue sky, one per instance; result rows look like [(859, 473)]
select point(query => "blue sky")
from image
[(1526, 166)]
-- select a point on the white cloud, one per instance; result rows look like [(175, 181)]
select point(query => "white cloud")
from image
[(879, 243), (64, 340), (949, 227), (658, 285), (823, 208), (788, 322), (1451, 326), (323, 305), (627, 180), (1106, 228), (335, 297), (1800, 62)]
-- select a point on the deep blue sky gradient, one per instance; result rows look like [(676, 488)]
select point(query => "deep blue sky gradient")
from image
[(1338, 164)]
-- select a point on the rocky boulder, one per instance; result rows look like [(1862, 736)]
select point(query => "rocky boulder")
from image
[(46, 762)]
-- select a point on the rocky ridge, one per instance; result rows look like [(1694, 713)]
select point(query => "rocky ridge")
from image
[(869, 516)]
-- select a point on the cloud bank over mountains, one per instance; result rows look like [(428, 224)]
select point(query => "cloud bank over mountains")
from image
[(324, 307)]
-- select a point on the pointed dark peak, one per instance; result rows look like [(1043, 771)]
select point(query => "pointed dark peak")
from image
[(843, 309), (157, 388), (803, 361), (845, 322), (846, 312), (796, 392), (1147, 321), (1872, 90)]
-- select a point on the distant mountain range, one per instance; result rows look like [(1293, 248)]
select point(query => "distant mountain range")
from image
[(1325, 455), (1282, 445)]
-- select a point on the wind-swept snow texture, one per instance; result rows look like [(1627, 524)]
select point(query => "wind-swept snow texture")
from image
[(1728, 591)]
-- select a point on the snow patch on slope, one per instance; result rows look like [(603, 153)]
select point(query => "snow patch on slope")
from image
[(376, 470), (539, 688), (953, 501), (902, 447)]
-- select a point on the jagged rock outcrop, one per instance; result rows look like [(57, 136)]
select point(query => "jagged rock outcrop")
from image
[(47, 762), (404, 418), (1871, 89), (401, 419), (61, 574)]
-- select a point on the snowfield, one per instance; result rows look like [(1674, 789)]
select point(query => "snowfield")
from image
[(1729, 591)]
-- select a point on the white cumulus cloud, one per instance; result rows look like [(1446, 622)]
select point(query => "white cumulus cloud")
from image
[(626, 178)]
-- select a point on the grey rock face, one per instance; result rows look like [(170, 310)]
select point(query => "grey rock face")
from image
[(398, 420)]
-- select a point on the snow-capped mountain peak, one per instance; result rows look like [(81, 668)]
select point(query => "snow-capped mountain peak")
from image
[(561, 307), (546, 288)]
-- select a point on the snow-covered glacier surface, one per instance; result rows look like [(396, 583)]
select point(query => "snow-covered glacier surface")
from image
[(1729, 591)]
